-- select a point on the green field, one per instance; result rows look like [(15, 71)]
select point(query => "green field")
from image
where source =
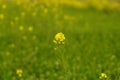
[(92, 44)]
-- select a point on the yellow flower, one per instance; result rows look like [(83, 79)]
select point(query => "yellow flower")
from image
[(7, 53), (21, 28), (19, 72), (66, 17), (30, 28), (59, 38), (18, 2), (55, 41), (34, 14), (1, 16), (45, 10), (55, 48), (4, 6), (23, 14), (103, 75)]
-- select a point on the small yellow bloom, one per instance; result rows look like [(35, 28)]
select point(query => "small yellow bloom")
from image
[(66, 17), (59, 38), (55, 48), (18, 2), (23, 14), (45, 10), (1, 16), (34, 14), (103, 75), (54, 41), (30, 28), (4, 6), (63, 42), (21, 28), (19, 72), (7, 53)]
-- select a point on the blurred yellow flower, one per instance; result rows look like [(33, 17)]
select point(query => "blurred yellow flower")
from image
[(55, 48), (34, 14), (30, 28), (18, 2), (4, 6), (114, 6), (66, 17), (24, 37), (103, 75), (19, 72), (1, 16), (59, 38), (7, 53), (21, 28), (45, 10), (23, 14)]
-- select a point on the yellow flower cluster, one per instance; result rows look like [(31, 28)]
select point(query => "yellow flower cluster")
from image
[(2, 16), (59, 38), (19, 72), (30, 28), (4, 6), (103, 75), (21, 28)]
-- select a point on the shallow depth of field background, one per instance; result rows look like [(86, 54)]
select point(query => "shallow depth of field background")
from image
[(92, 45)]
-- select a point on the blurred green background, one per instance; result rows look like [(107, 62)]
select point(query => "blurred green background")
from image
[(92, 45)]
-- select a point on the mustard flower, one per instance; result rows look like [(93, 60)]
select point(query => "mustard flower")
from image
[(23, 14), (59, 38), (34, 14), (1, 16), (21, 28), (19, 72), (30, 28), (103, 76), (4, 6)]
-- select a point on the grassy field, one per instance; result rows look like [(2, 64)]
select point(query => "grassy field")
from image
[(27, 51)]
